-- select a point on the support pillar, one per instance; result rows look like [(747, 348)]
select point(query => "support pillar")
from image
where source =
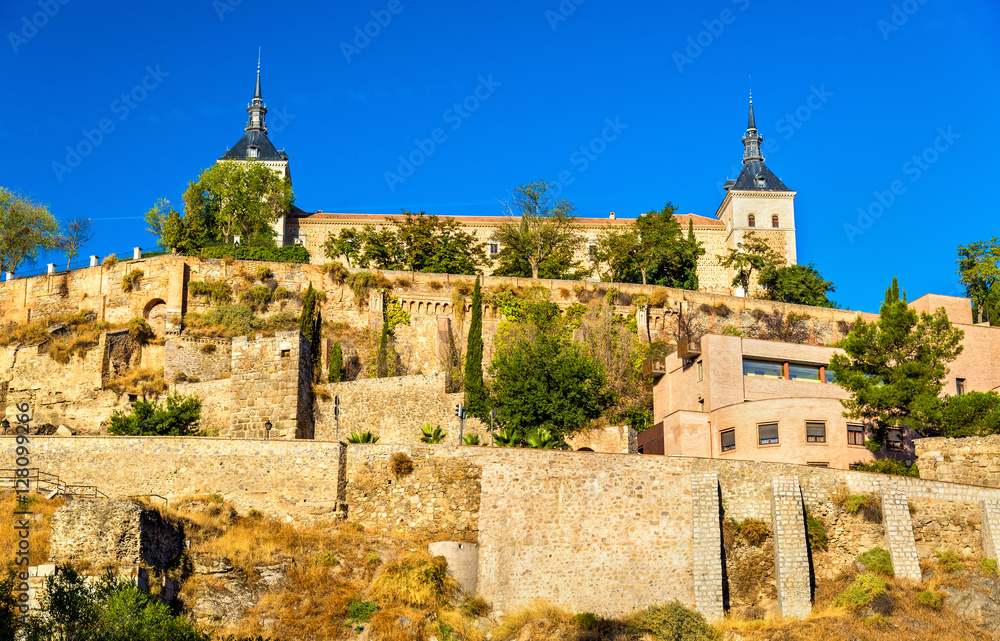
[(899, 533), (791, 548), (708, 595)]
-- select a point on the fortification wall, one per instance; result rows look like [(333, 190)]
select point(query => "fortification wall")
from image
[(206, 359), (973, 460)]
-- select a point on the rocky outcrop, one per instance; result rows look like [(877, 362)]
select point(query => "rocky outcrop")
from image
[(222, 595)]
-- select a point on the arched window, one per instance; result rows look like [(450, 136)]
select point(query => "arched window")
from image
[(752, 222), (774, 222)]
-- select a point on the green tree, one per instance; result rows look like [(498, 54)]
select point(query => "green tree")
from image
[(382, 358), (616, 250), (653, 250), (894, 367), (544, 383), (244, 198), (381, 248), (9, 603), (980, 274), (178, 417), (969, 414), (751, 255), (475, 392), (347, 245), (538, 238), (25, 229), (800, 284), (336, 369), (307, 324), (78, 233)]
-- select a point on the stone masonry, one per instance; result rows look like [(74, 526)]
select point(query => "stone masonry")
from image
[(989, 510), (899, 533), (791, 549), (271, 381), (708, 596)]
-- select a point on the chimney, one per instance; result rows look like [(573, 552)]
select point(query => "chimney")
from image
[(611, 215)]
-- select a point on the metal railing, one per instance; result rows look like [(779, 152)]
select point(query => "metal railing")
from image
[(45, 483)]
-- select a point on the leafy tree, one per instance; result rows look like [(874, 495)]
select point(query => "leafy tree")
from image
[(801, 284), (381, 248), (438, 245), (78, 233), (545, 383), (751, 255), (244, 198), (347, 245), (336, 369), (653, 250), (969, 414), (186, 234), (177, 418), (539, 239), (894, 367), (25, 229), (475, 392), (616, 249), (980, 274)]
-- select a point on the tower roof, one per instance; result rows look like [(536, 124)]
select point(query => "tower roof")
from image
[(255, 144), (755, 176), (751, 123)]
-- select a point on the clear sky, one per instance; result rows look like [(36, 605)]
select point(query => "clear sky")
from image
[(853, 99)]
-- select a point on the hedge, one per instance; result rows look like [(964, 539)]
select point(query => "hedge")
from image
[(289, 254)]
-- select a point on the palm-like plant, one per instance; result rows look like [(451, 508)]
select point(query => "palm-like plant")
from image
[(432, 434), (507, 437), (362, 437), (471, 439), (541, 439)]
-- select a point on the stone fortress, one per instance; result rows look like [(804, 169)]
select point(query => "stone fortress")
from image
[(606, 531)]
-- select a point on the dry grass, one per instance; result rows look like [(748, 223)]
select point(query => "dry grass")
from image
[(387, 624), (249, 543), (80, 335), (39, 532), (144, 381), (514, 622), (416, 580)]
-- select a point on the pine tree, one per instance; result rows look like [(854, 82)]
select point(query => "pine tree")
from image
[(475, 395), (336, 370)]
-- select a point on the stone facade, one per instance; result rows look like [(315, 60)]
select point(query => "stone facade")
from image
[(113, 533), (271, 382), (973, 460), (202, 359)]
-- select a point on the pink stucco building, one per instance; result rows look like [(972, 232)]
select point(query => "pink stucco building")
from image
[(742, 398)]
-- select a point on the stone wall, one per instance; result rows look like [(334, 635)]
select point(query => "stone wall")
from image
[(271, 381), (214, 395), (205, 359), (395, 409), (973, 460)]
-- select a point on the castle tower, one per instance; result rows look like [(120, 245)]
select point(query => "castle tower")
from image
[(758, 202), (255, 145)]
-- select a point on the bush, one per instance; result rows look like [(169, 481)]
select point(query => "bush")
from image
[(401, 464), (280, 293), (289, 254), (435, 284), (475, 607), (140, 331), (673, 622), (929, 599), (752, 531), (948, 560), (131, 280), (361, 610), (658, 298), (416, 580), (432, 434), (888, 466), (860, 593), (988, 566), (208, 348), (855, 502), (869, 506), (471, 439), (816, 531), (877, 560), (256, 298), (263, 273), (362, 282), (587, 620), (218, 291), (337, 272), (177, 418), (110, 261), (362, 437)]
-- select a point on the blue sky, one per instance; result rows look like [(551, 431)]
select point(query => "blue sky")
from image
[(856, 98)]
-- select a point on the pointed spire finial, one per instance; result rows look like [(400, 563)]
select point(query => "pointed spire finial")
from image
[(256, 94), (752, 140)]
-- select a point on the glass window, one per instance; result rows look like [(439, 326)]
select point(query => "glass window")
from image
[(830, 378), (494, 248), (767, 433), (803, 373), (728, 440), (894, 440), (701, 371), (767, 369), (751, 221), (774, 221), (960, 386), (855, 434), (815, 432)]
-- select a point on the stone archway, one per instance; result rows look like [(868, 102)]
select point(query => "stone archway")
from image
[(155, 313)]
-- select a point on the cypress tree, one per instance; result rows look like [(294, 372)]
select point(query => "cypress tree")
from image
[(336, 370), (475, 395), (383, 348), (307, 321), (315, 340)]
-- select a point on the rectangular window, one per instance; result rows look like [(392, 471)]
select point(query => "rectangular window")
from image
[(815, 432), (285, 353), (818, 464), (701, 371), (728, 440), (767, 433), (855, 434), (830, 378), (494, 249), (960, 386), (767, 369), (894, 440), (803, 373)]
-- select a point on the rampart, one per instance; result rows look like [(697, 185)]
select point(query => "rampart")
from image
[(605, 533), (971, 460)]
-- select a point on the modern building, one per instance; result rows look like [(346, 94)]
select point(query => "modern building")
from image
[(734, 397), (756, 201)]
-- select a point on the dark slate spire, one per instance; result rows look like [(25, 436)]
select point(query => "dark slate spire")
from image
[(257, 109), (752, 140)]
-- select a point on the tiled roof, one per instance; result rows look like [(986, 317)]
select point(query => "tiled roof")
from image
[(265, 150), (321, 217)]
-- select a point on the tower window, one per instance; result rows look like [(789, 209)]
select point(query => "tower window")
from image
[(774, 222), (251, 152), (494, 249), (752, 221)]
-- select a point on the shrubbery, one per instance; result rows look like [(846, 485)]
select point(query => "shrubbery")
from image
[(860, 593), (176, 418), (289, 254), (674, 622), (888, 466), (878, 561)]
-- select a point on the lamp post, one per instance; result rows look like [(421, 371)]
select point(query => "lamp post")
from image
[(236, 241), (267, 430)]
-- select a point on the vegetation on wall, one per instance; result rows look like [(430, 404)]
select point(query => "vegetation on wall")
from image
[(335, 372), (177, 417), (798, 284)]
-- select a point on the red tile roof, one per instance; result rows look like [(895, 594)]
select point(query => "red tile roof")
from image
[(322, 217)]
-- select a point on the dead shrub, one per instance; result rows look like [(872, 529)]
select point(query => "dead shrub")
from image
[(401, 464), (417, 580), (658, 298)]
